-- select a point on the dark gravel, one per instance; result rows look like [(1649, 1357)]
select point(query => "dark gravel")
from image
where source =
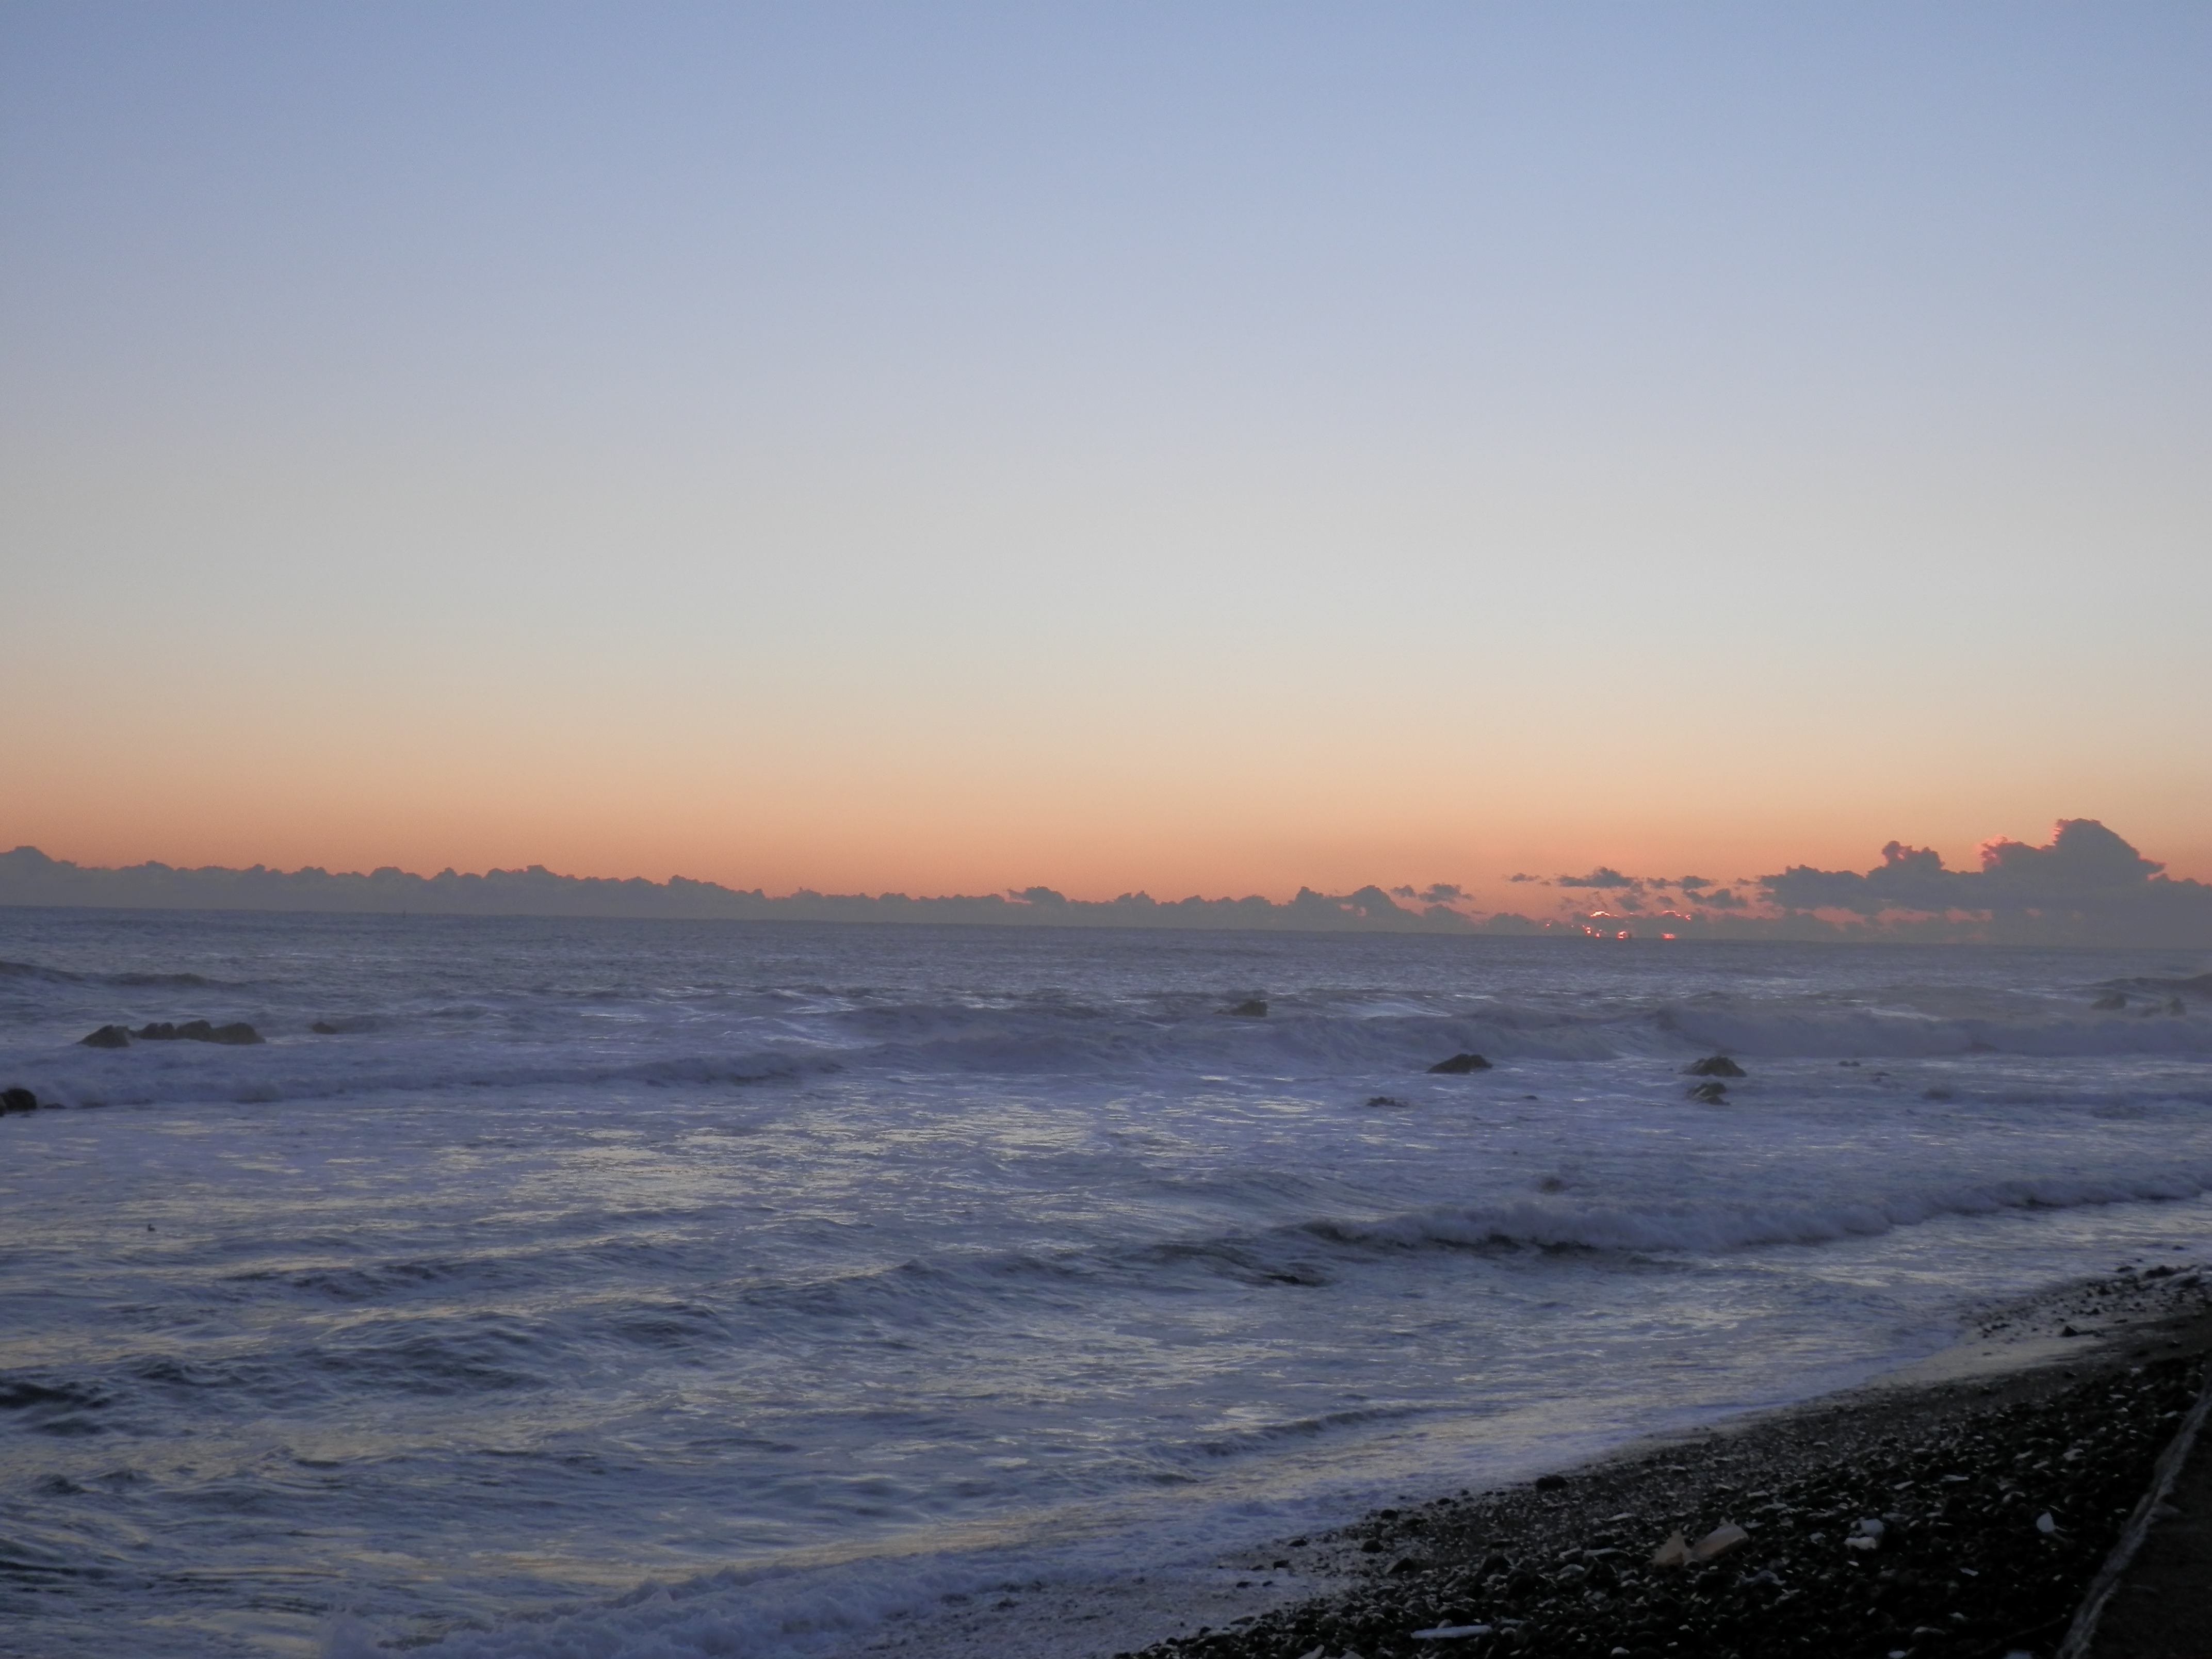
[(1957, 1477)]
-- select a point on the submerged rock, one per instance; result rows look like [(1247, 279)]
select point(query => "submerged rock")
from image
[(1461, 1065), (1711, 1093), (324, 1028), (108, 1036), (18, 1100), (1251, 1008), (1384, 1100), (2110, 1002), (1713, 1065)]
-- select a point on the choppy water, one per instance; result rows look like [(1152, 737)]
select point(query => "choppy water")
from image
[(815, 1272)]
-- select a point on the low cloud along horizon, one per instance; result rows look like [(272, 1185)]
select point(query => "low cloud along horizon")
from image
[(2088, 886)]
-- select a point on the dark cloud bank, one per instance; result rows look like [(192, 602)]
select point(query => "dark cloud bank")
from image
[(2088, 887)]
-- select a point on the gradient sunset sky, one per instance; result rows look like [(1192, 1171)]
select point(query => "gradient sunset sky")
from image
[(1199, 448)]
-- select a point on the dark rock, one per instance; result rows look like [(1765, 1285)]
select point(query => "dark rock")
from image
[(1551, 1482), (108, 1036), (238, 1032), (1461, 1065), (324, 1028), (1711, 1093), (1384, 1100), (1713, 1065), (18, 1100), (1252, 1008)]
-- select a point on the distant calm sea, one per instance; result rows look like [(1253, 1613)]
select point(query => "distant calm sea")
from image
[(813, 1273)]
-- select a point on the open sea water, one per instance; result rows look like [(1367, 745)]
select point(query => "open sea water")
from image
[(610, 1289)]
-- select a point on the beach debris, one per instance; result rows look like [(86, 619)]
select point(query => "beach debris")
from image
[(1714, 1066), (1461, 1065), (1711, 1093), (1250, 1008), (1449, 1633), (1718, 1542), (108, 1036), (1675, 1553), (2045, 1524), (18, 1100)]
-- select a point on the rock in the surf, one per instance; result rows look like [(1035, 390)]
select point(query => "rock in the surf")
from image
[(1251, 1008), (108, 1036), (1713, 1065), (1461, 1065), (1711, 1093), (18, 1100), (1384, 1100), (324, 1028)]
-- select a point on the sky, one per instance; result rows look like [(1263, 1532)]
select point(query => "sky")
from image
[(1196, 448)]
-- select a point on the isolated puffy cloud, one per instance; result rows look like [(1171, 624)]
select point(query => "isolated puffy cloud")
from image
[(1910, 878)]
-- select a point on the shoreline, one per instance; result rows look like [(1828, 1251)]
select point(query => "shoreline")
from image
[(1955, 1458)]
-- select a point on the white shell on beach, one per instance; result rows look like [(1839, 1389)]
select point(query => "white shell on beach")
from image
[(1719, 1542)]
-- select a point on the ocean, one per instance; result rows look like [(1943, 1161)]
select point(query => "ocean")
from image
[(606, 1290)]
